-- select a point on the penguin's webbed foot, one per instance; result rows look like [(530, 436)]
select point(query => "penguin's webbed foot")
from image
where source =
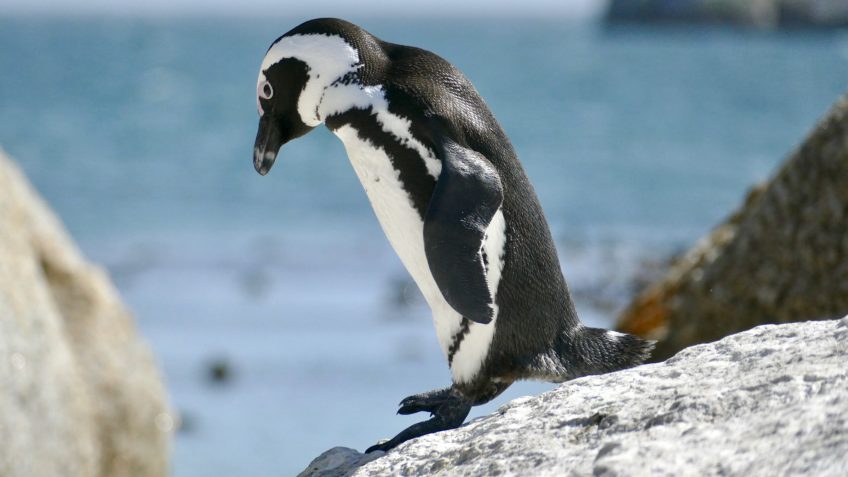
[(448, 407)]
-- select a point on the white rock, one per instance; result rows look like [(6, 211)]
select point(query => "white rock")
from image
[(765, 402)]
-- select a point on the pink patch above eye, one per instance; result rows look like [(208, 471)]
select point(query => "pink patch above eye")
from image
[(261, 94), (258, 103)]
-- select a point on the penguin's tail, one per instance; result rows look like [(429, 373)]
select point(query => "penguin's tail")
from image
[(601, 351)]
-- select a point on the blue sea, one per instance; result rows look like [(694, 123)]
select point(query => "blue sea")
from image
[(139, 133)]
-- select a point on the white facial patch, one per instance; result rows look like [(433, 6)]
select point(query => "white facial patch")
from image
[(329, 58)]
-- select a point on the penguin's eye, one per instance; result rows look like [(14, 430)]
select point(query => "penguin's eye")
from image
[(266, 91)]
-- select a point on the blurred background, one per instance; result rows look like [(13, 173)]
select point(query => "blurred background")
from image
[(282, 320)]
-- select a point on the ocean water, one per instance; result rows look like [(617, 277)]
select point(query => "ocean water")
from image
[(140, 132)]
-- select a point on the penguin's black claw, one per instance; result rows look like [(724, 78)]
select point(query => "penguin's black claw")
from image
[(429, 401), (407, 410)]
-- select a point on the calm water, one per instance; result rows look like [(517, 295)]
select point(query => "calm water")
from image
[(139, 133)]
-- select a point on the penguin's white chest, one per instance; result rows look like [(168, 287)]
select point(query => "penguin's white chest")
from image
[(404, 228)]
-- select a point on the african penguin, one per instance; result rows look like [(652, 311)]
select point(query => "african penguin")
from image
[(454, 202)]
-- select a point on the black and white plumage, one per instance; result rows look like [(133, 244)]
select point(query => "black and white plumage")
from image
[(454, 202)]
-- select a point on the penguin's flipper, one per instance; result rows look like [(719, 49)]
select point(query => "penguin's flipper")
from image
[(467, 196)]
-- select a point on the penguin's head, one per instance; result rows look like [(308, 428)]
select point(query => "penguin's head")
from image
[(277, 93), (296, 72)]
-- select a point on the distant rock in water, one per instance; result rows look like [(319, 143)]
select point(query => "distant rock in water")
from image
[(219, 371), (80, 392), (769, 401), (781, 257), (757, 13)]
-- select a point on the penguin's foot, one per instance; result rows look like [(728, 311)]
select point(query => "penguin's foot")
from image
[(448, 407), (429, 401)]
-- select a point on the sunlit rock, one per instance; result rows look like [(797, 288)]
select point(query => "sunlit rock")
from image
[(768, 401)]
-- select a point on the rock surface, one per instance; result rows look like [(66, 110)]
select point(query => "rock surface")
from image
[(768, 401), (80, 393), (782, 256), (757, 13)]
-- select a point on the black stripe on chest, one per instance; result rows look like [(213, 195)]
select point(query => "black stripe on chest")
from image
[(456, 341), (415, 179)]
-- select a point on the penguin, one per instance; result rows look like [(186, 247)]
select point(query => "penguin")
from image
[(455, 204)]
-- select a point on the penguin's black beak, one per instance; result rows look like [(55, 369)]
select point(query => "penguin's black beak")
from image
[(268, 141)]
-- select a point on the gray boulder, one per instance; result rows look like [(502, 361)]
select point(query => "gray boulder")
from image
[(769, 401), (81, 395)]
